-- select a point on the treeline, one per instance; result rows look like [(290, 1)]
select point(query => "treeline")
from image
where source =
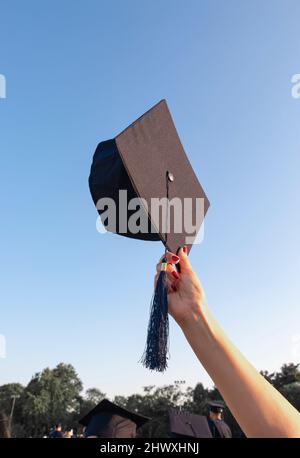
[(56, 395)]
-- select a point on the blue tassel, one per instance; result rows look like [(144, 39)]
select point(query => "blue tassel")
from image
[(156, 353)]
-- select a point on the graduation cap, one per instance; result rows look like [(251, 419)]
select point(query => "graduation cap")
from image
[(216, 406), (108, 420), (144, 187), (138, 160), (186, 424)]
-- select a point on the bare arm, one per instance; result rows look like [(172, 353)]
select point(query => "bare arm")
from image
[(258, 407)]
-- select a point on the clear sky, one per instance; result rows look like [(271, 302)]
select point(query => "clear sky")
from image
[(78, 73)]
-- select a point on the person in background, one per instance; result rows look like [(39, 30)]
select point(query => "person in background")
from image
[(217, 426), (57, 433), (257, 406), (68, 433)]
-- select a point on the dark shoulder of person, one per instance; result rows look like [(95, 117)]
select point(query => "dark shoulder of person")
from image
[(219, 429), (223, 429), (57, 435), (212, 426)]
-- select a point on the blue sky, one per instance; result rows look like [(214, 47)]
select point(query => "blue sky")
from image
[(78, 73)]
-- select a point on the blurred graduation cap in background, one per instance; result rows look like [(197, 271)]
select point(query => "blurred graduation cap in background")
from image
[(186, 424), (148, 162), (108, 420)]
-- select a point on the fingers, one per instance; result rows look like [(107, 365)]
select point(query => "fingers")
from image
[(172, 274), (184, 260), (172, 277), (171, 259), (170, 270)]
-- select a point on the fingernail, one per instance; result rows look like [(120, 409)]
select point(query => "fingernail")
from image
[(175, 258), (185, 249), (175, 274)]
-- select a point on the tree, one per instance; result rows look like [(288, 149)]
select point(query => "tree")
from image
[(92, 397), (51, 396), (55, 395), (200, 398), (289, 373), (292, 393), (155, 404), (6, 393)]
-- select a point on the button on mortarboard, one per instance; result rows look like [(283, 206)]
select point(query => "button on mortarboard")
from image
[(170, 176)]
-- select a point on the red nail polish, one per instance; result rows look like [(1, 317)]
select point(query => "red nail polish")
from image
[(175, 258), (185, 249), (175, 274)]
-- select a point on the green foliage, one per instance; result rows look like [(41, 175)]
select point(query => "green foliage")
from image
[(55, 395), (6, 395), (92, 397), (289, 373), (50, 397)]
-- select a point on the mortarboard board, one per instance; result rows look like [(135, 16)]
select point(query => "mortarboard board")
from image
[(186, 424), (145, 173), (216, 406), (137, 161), (108, 420)]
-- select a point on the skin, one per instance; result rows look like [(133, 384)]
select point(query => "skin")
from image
[(258, 407), (215, 416)]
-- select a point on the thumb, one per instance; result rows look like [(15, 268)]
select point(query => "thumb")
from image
[(184, 260)]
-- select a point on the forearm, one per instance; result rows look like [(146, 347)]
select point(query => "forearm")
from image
[(258, 407)]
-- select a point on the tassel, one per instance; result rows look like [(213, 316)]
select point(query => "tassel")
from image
[(156, 352)]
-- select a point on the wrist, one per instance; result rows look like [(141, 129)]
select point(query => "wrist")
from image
[(199, 322), (195, 312)]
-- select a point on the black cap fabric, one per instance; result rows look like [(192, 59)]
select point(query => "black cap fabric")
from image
[(111, 421), (138, 160), (216, 406), (186, 424)]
